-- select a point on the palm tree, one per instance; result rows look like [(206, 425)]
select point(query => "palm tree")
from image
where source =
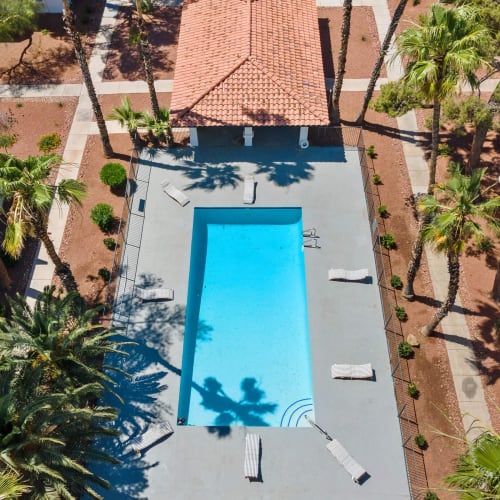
[(142, 40), (59, 335), (380, 60), (455, 214), (159, 128), (128, 118), (70, 26), (11, 485), (477, 472), (339, 74), (52, 377), (25, 184), (445, 48)]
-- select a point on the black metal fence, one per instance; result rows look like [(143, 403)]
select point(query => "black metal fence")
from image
[(127, 253), (352, 137)]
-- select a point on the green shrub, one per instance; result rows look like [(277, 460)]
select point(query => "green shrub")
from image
[(405, 350), (413, 390), (401, 313), (102, 214), (7, 141), (109, 243), (396, 282), (420, 441), (370, 151), (104, 273), (49, 142), (113, 174), (376, 179), (444, 149), (387, 241), (382, 211), (431, 496)]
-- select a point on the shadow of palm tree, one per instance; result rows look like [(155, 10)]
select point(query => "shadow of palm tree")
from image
[(248, 411), (286, 173), (210, 177)]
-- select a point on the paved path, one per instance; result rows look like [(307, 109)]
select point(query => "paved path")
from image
[(466, 377)]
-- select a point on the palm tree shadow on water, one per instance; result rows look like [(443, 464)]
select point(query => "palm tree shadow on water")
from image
[(248, 411)]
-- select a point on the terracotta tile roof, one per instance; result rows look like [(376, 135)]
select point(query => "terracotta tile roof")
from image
[(249, 62)]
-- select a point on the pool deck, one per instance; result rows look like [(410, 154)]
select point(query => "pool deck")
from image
[(345, 321)]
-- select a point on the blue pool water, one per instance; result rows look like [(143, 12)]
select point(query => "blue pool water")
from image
[(246, 358)]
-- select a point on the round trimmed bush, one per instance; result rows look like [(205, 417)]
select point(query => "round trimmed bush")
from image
[(110, 243), (113, 174), (420, 441), (396, 282), (413, 390), (104, 273), (102, 214), (405, 350), (401, 313)]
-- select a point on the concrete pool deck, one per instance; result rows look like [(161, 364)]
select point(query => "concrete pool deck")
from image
[(345, 321)]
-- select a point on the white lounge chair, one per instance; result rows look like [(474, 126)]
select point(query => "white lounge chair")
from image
[(350, 465), (343, 274), (352, 371), (249, 189), (252, 451), (174, 193), (154, 433), (154, 293)]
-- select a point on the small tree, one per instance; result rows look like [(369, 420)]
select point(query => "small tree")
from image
[(18, 17)]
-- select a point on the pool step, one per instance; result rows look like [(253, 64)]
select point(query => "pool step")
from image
[(294, 415)]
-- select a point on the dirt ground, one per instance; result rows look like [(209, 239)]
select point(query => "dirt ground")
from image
[(437, 407), (51, 58)]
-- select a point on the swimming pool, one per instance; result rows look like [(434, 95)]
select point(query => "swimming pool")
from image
[(246, 357)]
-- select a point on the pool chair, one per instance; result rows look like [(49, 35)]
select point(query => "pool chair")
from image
[(152, 435), (352, 371), (346, 275), (252, 456), (154, 293), (249, 189), (174, 193), (350, 465)]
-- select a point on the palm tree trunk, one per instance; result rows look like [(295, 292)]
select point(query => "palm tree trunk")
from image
[(454, 272), (70, 27), (5, 281), (62, 268), (436, 115), (495, 292), (339, 73), (477, 146), (145, 53), (380, 61), (415, 259)]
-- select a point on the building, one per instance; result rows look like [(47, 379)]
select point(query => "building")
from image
[(249, 63)]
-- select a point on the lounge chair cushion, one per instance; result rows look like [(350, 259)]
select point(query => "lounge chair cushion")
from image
[(174, 193), (347, 275), (252, 451), (249, 189), (352, 371), (154, 293), (350, 465), (151, 435)]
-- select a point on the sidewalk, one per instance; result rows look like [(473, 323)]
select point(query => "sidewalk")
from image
[(466, 377)]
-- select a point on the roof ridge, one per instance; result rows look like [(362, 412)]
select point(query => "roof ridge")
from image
[(255, 62)]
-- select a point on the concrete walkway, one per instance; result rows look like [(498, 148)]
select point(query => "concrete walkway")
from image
[(465, 375)]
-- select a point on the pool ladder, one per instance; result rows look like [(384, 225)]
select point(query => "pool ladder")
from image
[(312, 238)]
